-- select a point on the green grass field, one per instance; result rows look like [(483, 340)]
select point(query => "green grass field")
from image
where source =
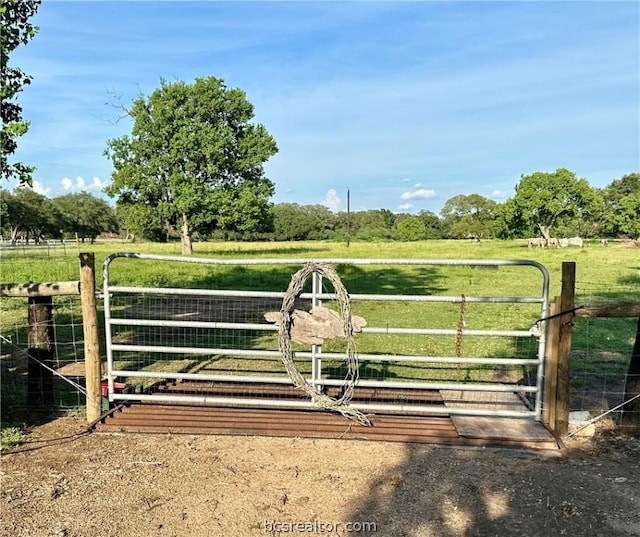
[(603, 274)]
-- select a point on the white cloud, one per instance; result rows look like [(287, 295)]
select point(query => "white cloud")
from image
[(80, 184), (332, 200), (67, 183), (97, 184), (39, 188), (418, 185), (419, 194), (405, 206), (499, 194)]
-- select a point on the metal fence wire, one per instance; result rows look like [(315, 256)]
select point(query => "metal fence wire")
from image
[(600, 357), (31, 382)]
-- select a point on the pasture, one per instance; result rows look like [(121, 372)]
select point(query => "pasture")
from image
[(601, 346), (603, 274)]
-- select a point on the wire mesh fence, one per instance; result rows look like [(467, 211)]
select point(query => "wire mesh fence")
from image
[(31, 381), (238, 324), (600, 383)]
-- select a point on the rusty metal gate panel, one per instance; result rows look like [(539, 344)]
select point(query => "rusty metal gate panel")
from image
[(422, 351)]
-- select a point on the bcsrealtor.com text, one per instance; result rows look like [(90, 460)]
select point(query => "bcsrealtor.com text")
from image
[(318, 526)]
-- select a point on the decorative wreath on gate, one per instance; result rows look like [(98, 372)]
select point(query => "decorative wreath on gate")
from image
[(313, 327)]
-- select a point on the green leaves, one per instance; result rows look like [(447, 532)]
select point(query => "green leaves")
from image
[(194, 159), (470, 215), (34, 216), (544, 199), (16, 30)]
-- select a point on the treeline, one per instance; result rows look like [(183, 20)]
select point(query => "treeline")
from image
[(558, 204), (28, 216), (545, 204)]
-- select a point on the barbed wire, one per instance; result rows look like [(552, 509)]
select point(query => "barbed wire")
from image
[(294, 290)]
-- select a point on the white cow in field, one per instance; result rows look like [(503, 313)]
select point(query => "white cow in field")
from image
[(576, 242), (540, 242)]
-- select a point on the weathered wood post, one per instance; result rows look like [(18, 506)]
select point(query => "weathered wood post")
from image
[(91, 342), (551, 366), (567, 304), (41, 349)]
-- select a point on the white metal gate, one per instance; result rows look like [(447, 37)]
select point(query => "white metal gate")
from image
[(175, 343)]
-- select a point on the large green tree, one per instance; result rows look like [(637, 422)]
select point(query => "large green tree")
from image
[(434, 227), (194, 155), (411, 228), (293, 222), (543, 200), (470, 215), (16, 30), (626, 219), (369, 225), (85, 215), (138, 221), (622, 206), (29, 214)]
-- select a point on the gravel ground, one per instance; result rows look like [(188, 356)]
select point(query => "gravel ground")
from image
[(67, 484)]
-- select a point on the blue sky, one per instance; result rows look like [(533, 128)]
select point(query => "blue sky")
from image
[(406, 104)]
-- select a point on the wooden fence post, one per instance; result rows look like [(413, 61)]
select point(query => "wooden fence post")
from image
[(567, 303), (91, 342), (630, 422), (551, 366), (41, 348)]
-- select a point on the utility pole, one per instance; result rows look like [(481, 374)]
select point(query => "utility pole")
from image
[(348, 217)]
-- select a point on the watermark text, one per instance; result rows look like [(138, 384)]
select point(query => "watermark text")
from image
[(318, 526)]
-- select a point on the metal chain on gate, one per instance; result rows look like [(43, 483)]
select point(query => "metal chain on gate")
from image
[(459, 331), (294, 290)]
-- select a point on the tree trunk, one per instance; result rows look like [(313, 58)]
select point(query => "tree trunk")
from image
[(546, 232), (630, 423), (185, 236)]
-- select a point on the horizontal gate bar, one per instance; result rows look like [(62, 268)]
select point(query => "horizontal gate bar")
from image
[(180, 291), (338, 261), (283, 403), (329, 355), (448, 332), (272, 327), (212, 325), (332, 382), (196, 292), (438, 386), (203, 377)]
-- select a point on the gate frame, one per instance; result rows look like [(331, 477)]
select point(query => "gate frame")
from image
[(316, 354)]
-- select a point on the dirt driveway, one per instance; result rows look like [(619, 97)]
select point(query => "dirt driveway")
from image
[(101, 485)]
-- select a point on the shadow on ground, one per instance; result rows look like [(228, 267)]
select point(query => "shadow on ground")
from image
[(482, 492)]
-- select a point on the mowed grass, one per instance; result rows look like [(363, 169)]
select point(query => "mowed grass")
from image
[(611, 273)]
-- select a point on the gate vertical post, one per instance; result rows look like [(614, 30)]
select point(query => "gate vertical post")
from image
[(567, 303), (41, 349), (316, 350), (551, 366), (90, 328)]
